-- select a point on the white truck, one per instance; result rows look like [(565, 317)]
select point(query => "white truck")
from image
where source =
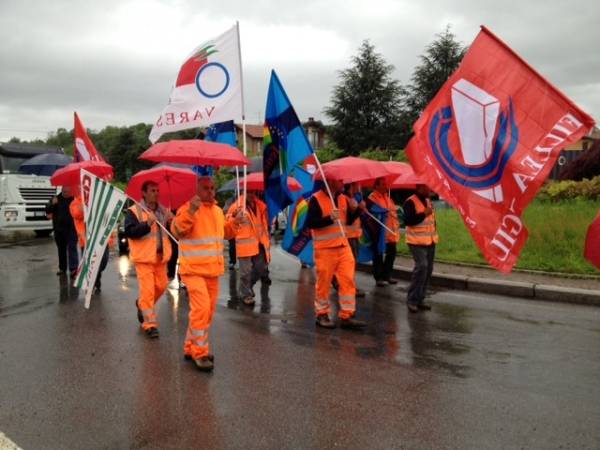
[(23, 197)]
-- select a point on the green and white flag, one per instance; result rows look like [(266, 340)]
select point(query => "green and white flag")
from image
[(102, 205)]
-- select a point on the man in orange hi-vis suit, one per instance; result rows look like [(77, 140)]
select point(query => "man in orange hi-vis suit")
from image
[(201, 228), (150, 250), (252, 244), (333, 255)]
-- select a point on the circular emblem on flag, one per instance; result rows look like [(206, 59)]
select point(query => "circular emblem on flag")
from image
[(212, 80)]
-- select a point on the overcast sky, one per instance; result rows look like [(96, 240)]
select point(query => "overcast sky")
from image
[(115, 61)]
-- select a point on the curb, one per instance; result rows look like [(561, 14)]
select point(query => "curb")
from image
[(560, 294)]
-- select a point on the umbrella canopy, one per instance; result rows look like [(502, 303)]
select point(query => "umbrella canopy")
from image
[(256, 183), (592, 242), (69, 175), (176, 185), (406, 181), (195, 152), (256, 165), (398, 168), (45, 164), (354, 170)]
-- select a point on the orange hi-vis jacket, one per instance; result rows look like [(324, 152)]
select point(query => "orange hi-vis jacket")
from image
[(424, 233), (201, 238), (330, 236), (253, 230), (143, 250), (76, 210), (384, 201)]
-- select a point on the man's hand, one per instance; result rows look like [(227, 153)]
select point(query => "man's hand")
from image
[(168, 215), (428, 210), (362, 206), (195, 203), (239, 216), (352, 204), (335, 215), (55, 200)]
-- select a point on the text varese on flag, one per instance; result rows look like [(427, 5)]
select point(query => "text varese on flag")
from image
[(84, 149), (208, 88), (489, 139)]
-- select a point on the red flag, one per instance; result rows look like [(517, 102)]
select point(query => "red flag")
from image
[(489, 139), (84, 149)]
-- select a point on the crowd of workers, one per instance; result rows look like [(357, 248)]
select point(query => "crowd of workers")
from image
[(200, 227)]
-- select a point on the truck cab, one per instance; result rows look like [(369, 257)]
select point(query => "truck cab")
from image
[(23, 197)]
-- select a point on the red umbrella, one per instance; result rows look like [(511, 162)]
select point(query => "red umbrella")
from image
[(406, 181), (398, 168), (353, 170), (255, 182), (196, 152), (70, 174), (592, 242), (176, 185)]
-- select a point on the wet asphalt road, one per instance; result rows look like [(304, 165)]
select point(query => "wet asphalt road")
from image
[(477, 372)]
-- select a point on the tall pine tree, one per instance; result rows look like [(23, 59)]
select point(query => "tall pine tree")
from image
[(365, 105)]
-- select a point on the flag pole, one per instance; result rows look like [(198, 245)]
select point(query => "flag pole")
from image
[(244, 146), (157, 222), (329, 192)]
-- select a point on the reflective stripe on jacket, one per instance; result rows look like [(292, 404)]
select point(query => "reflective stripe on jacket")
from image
[(143, 250), (201, 238), (253, 230), (424, 233), (331, 235)]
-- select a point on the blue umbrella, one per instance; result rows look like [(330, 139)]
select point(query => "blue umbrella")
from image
[(45, 164)]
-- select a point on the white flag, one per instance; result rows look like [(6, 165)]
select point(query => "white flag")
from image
[(208, 88), (102, 205)]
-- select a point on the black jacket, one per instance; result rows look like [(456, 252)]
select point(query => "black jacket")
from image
[(411, 218), (62, 221), (134, 229)]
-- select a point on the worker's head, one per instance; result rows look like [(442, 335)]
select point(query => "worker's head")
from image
[(251, 196), (353, 188), (205, 189), (150, 192), (381, 185), (68, 191), (423, 190), (336, 185)]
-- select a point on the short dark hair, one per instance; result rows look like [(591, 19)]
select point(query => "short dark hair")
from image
[(148, 183)]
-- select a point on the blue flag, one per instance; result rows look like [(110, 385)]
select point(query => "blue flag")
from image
[(285, 148), (223, 132), (372, 241)]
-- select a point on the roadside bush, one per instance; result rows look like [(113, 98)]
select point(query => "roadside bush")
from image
[(556, 191)]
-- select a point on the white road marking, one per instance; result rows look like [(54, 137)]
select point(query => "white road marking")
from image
[(7, 444)]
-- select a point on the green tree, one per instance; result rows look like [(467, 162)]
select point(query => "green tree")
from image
[(365, 105), (440, 60)]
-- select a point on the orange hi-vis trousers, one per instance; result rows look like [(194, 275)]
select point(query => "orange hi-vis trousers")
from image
[(203, 293), (153, 281), (337, 261)]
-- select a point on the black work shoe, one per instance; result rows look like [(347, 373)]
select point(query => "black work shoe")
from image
[(392, 281), (248, 301), (412, 308), (352, 323), (360, 293), (324, 321), (204, 364), (424, 306), (210, 356), (152, 333), (140, 316), (381, 283)]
